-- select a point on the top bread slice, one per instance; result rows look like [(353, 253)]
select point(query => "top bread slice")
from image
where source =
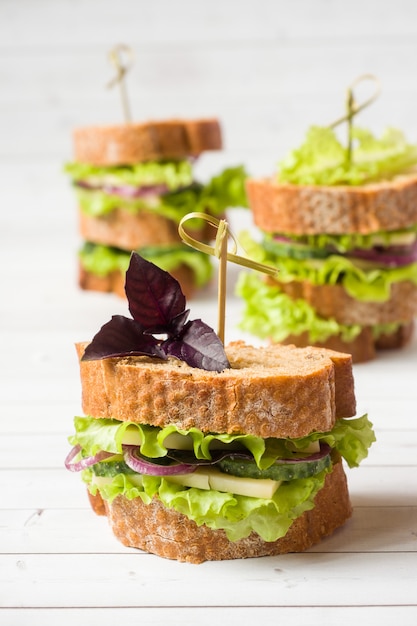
[(275, 391), (309, 210), (154, 140)]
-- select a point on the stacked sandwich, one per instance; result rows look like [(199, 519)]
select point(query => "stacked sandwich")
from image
[(198, 452), (343, 235), (134, 183)]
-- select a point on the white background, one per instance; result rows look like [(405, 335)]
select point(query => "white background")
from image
[(268, 69)]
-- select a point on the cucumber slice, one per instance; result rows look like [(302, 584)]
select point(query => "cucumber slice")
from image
[(111, 468), (288, 470), (295, 250)]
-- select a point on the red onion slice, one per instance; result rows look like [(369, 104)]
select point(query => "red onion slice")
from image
[(143, 466), (84, 462), (387, 256), (391, 256), (126, 191)]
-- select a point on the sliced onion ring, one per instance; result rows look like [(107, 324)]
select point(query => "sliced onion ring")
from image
[(142, 466), (86, 461)]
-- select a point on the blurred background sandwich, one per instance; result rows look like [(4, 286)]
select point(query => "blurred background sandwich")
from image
[(340, 224), (134, 183)]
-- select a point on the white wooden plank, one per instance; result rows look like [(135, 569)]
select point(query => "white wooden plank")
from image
[(207, 615), (268, 69), (307, 579), (267, 20), (47, 531)]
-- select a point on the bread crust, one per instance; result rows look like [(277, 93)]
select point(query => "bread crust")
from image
[(364, 347), (152, 140), (275, 391), (131, 231), (332, 301), (114, 282), (308, 210), (169, 534)]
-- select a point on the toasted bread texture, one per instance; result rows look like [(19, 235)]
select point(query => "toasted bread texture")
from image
[(154, 140), (131, 231), (308, 210), (332, 301), (364, 347), (169, 534), (275, 391)]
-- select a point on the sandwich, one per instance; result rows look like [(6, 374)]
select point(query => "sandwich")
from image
[(196, 451), (134, 183), (343, 234)]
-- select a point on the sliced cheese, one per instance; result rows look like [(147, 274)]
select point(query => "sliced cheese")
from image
[(100, 481), (211, 478)]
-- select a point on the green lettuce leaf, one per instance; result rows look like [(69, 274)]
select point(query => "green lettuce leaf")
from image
[(368, 285), (226, 190), (322, 159), (95, 434), (101, 260), (352, 241), (237, 515), (174, 174), (271, 314), (98, 203), (351, 437)]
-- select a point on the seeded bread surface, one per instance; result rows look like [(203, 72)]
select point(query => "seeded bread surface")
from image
[(308, 210), (332, 301), (129, 231), (275, 391), (364, 347), (169, 534), (153, 140)]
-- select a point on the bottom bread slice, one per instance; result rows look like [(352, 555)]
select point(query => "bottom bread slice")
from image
[(169, 534), (364, 347)]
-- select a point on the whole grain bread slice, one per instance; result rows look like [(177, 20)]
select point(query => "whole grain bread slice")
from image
[(169, 534), (130, 231), (332, 301), (308, 210), (363, 347), (274, 391), (154, 140)]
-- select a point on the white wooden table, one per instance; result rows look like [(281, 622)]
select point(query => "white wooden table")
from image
[(268, 69)]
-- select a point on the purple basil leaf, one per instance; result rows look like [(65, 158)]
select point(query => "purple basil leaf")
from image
[(122, 336), (177, 323), (155, 297), (199, 346)]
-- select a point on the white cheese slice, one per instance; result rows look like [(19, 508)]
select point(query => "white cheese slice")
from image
[(211, 478)]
